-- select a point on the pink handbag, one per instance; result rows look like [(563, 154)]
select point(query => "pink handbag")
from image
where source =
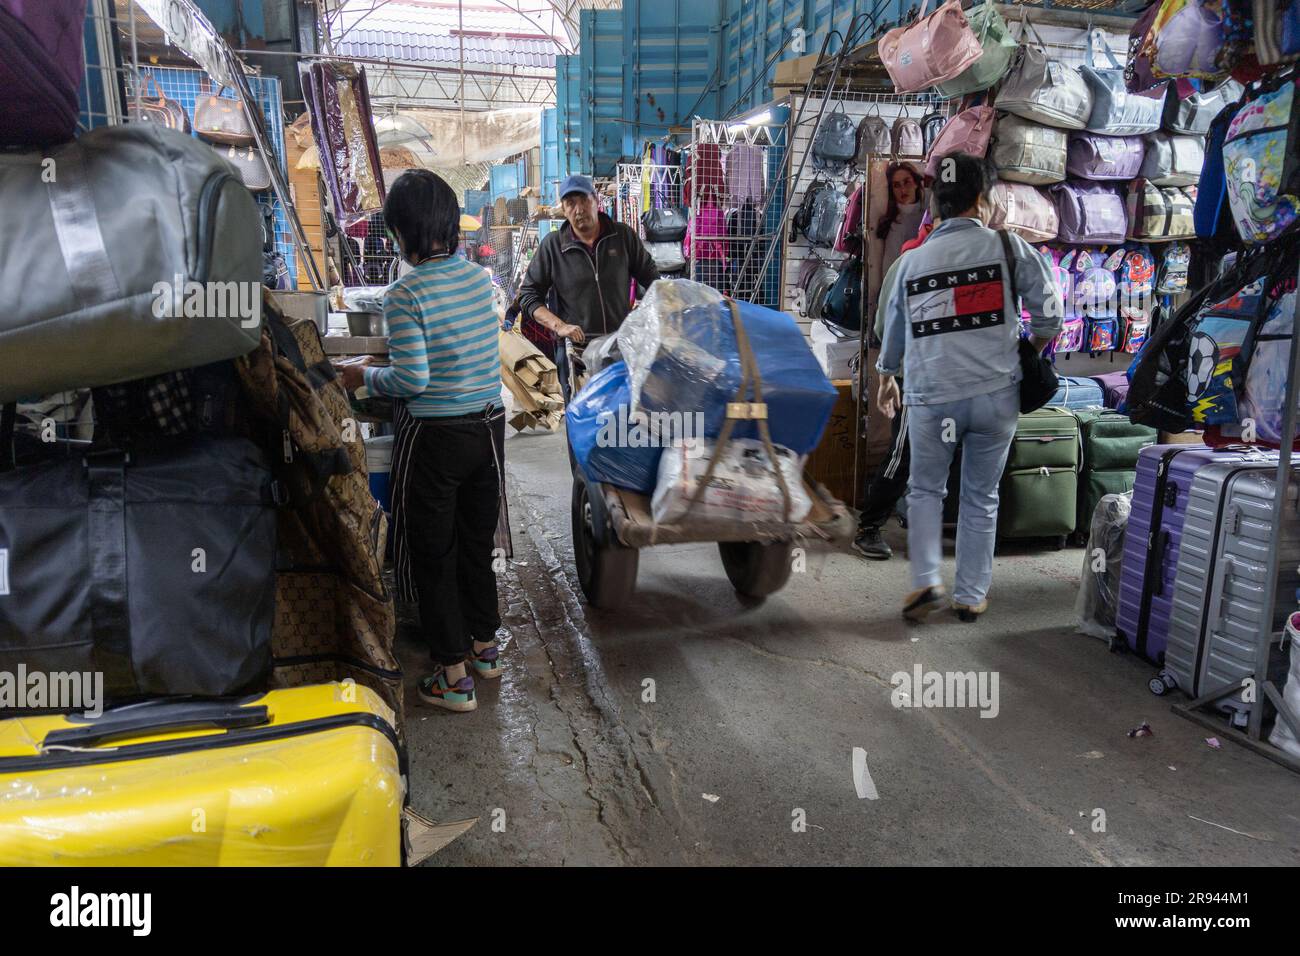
[(933, 50), (967, 132), (1022, 209)]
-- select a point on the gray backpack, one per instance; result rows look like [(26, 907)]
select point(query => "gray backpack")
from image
[(819, 287), (908, 139), (829, 206), (874, 139), (836, 143)]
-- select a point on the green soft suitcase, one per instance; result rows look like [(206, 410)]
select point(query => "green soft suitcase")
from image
[(1040, 486), (1111, 444)]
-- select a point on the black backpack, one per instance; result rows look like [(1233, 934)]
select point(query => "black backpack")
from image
[(802, 217)]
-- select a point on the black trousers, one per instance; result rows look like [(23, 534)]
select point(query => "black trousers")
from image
[(452, 497), (889, 483)]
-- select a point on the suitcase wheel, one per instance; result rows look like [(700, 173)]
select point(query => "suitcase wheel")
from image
[(1162, 684)]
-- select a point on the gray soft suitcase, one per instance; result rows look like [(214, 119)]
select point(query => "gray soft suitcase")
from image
[(101, 236), (1219, 599)]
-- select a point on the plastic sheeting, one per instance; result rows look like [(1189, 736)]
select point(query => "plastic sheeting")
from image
[(1102, 560), (607, 449), (443, 138), (1281, 735), (742, 489), (681, 354)]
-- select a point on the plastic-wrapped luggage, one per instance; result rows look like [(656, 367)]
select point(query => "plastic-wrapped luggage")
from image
[(1099, 581), (682, 357), (743, 487), (311, 776), (1114, 388), (610, 443), (1282, 736), (1075, 392)]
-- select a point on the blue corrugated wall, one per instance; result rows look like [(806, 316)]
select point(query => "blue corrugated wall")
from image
[(655, 64)]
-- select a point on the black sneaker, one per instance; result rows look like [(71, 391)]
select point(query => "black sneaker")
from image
[(871, 544)]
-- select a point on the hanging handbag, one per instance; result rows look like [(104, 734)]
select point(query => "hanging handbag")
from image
[(667, 224), (1185, 39), (1024, 210), (998, 45), (1043, 89), (222, 119), (934, 49), (1116, 111), (1026, 151), (1093, 156), (158, 108), (1173, 160), (1193, 115), (967, 132), (250, 164), (1161, 213)]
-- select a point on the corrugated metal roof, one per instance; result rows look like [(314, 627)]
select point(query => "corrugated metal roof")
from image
[(431, 48)]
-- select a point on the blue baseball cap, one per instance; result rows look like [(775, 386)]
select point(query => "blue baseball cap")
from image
[(576, 184)]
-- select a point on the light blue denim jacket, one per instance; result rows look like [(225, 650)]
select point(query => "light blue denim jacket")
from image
[(950, 326)]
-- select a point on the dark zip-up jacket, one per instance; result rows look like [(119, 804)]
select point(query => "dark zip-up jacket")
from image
[(591, 292)]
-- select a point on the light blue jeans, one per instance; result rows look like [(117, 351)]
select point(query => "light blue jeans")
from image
[(985, 426)]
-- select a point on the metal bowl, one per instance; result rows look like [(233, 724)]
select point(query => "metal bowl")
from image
[(366, 323)]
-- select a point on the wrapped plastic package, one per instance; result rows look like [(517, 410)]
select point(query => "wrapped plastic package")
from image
[(681, 353), (1281, 736), (743, 488), (1099, 587), (607, 449)]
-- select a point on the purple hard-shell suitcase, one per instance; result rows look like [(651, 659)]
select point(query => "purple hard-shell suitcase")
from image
[(1151, 542), (1114, 388), (41, 63)]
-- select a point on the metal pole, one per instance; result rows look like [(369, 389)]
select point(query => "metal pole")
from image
[(460, 8), (1265, 642)]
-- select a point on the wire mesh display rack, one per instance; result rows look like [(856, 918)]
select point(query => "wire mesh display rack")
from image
[(736, 198)]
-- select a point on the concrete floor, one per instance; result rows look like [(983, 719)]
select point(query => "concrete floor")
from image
[(761, 707)]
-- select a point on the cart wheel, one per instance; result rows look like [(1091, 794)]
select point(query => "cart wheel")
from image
[(754, 569), (606, 567), (1162, 684)]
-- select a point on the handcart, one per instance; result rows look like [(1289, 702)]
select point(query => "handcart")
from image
[(612, 524)]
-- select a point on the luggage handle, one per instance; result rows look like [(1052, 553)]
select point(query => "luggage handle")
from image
[(1162, 548), (156, 717)]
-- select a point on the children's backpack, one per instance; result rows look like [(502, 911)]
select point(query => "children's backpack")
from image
[(1094, 284), (1174, 266), (836, 143), (1071, 336), (828, 211), (1260, 161), (1135, 281), (873, 139), (908, 140)]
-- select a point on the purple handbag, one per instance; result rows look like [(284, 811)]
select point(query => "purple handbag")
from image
[(41, 63), (1137, 71), (1090, 214), (1093, 156)]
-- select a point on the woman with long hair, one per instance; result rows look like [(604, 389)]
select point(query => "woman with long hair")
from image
[(903, 214)]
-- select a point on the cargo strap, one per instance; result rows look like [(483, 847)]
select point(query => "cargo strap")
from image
[(744, 409), (110, 622), (76, 226)]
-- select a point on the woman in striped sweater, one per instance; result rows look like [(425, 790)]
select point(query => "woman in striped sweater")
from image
[(448, 452)]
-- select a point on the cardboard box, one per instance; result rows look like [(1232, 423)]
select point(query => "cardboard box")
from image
[(831, 462), (1181, 438), (794, 72)]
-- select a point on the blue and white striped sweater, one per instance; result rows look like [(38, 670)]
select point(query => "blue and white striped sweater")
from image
[(442, 341)]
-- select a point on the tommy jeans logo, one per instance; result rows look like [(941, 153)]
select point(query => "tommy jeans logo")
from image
[(956, 301)]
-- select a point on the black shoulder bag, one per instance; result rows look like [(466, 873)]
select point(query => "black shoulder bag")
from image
[(1038, 382)]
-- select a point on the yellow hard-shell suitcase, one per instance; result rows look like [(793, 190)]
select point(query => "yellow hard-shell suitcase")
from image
[(309, 776)]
